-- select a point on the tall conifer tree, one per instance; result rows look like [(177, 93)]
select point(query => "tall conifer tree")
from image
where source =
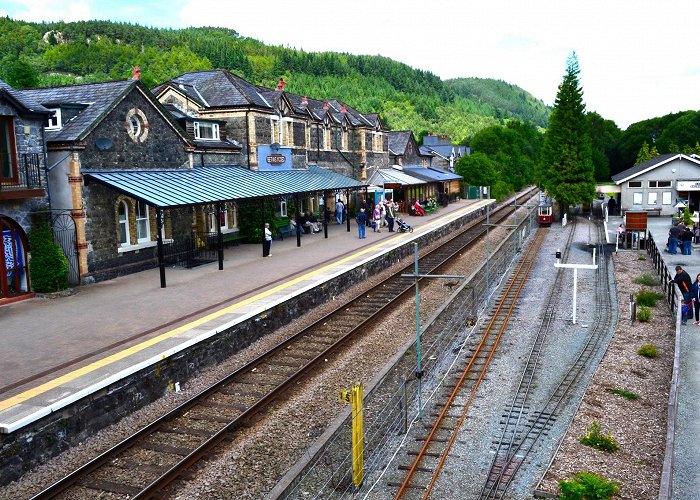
[(567, 168)]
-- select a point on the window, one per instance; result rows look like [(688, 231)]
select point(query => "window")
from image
[(8, 160), (223, 221), (659, 184), (283, 208), (206, 131), (143, 228), (136, 125), (634, 184), (637, 198), (54, 122), (123, 224), (666, 198), (651, 198)]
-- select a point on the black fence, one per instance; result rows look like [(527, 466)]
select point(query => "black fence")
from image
[(194, 250), (662, 271), (21, 173)]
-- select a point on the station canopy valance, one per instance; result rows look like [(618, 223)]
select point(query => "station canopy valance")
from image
[(211, 184), (432, 174)]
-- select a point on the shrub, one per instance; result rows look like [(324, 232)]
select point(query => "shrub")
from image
[(647, 280), (648, 298), (641, 257), (647, 350), (621, 392), (588, 486), (596, 439), (643, 314), (48, 267)]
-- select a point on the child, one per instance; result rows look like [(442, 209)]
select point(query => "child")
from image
[(686, 311)]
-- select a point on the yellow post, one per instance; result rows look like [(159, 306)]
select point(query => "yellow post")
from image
[(354, 396)]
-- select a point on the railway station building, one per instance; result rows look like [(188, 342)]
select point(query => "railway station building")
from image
[(658, 185)]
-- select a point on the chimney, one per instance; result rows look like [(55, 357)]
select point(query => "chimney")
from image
[(281, 84), (304, 101), (343, 109), (326, 105), (135, 73)]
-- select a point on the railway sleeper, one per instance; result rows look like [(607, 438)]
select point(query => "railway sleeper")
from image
[(418, 469), (109, 486), (165, 448)]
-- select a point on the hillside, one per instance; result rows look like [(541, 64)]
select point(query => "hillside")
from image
[(44, 54)]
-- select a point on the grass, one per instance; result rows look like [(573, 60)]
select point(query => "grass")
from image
[(647, 279), (648, 298), (647, 350), (595, 438), (588, 486), (643, 314), (621, 392)]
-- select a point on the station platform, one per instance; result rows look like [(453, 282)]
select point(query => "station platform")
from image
[(686, 457), (58, 351)]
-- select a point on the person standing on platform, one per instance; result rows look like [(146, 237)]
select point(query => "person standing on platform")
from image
[(673, 235), (361, 220), (390, 215), (376, 218), (382, 214), (695, 293), (687, 239), (339, 207), (267, 242)]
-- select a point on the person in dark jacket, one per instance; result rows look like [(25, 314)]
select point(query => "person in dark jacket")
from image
[(695, 297), (685, 284), (673, 235), (362, 220), (687, 239)]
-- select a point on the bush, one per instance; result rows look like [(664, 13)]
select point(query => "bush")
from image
[(643, 314), (648, 298), (48, 266), (647, 350), (647, 280), (621, 392), (588, 486), (596, 439)]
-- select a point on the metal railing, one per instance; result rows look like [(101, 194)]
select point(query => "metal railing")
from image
[(24, 171)]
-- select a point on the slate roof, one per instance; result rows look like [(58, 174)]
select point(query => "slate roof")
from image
[(182, 118), (210, 184), (432, 174), (398, 141), (655, 162), (217, 89), (100, 98), (444, 151), (21, 100)]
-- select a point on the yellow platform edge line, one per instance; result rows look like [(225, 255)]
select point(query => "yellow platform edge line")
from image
[(72, 375)]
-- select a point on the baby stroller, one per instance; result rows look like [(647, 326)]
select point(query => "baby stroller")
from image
[(404, 227)]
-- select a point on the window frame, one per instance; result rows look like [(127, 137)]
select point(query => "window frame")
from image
[(142, 219), (123, 223), (10, 144), (54, 122), (634, 184), (664, 196), (652, 198), (638, 198), (198, 126)]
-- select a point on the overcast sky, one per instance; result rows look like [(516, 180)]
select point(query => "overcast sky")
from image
[(639, 58)]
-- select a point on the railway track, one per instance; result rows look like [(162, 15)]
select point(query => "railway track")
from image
[(522, 433), (147, 462), (427, 463)]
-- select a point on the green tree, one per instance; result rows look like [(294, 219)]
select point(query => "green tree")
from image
[(604, 137), (567, 166), (21, 74), (48, 267), (646, 154)]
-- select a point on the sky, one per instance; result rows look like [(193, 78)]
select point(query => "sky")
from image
[(638, 58)]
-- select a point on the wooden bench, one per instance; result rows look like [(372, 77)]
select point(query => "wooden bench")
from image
[(232, 239)]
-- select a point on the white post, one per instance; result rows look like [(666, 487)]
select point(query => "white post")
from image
[(575, 289)]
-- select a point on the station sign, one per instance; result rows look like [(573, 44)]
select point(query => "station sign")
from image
[(274, 157), (688, 186)]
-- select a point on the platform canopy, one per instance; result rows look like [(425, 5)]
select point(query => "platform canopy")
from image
[(432, 174), (212, 184)]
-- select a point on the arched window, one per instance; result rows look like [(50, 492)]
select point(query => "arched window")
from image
[(123, 224), (143, 227)]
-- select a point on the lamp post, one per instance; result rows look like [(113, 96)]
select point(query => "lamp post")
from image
[(416, 276)]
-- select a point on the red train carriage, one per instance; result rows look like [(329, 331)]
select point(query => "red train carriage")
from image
[(544, 212)]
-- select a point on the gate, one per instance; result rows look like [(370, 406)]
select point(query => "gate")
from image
[(194, 250), (65, 236)]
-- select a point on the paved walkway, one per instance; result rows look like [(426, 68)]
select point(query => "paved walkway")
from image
[(56, 351), (686, 473)]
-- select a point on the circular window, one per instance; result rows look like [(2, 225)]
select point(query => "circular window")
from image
[(136, 125)]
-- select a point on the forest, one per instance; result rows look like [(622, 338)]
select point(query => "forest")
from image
[(500, 121)]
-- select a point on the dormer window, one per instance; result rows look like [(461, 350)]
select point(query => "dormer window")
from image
[(54, 122), (206, 131)]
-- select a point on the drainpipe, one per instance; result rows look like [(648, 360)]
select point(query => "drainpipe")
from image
[(247, 137)]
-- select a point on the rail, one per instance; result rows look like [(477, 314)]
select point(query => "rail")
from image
[(21, 172)]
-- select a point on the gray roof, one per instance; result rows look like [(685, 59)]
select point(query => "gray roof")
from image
[(393, 176), (398, 141), (99, 99), (217, 88), (177, 188), (432, 174), (647, 165), (22, 100)]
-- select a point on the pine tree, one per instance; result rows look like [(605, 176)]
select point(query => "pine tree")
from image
[(646, 154), (568, 171)]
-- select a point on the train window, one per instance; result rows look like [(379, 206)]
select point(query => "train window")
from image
[(635, 184)]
